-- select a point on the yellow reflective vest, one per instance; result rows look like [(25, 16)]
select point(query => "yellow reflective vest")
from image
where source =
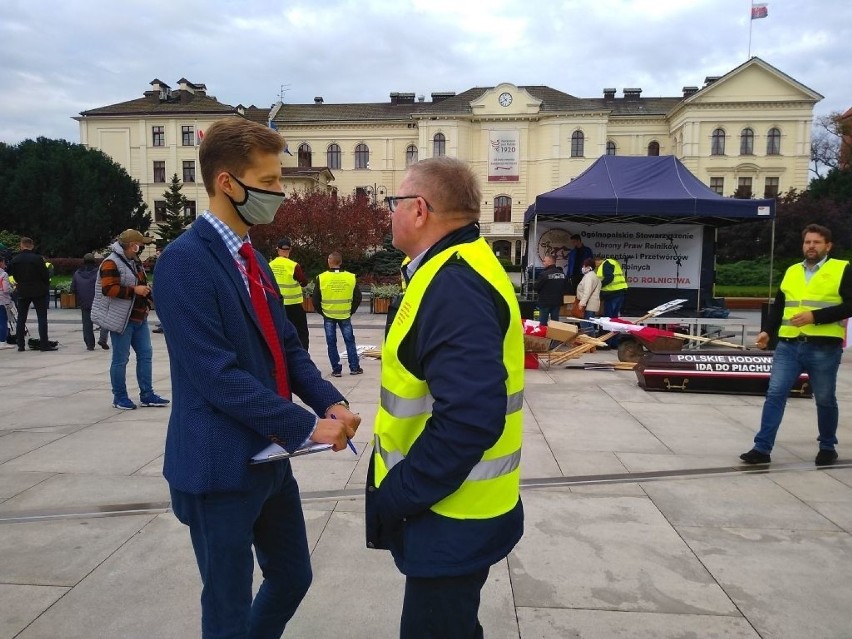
[(405, 405), (283, 268), (618, 281), (822, 291), (337, 289), (402, 283)]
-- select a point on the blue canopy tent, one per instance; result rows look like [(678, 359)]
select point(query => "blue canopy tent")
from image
[(649, 191)]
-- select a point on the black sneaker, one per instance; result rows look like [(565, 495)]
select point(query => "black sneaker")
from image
[(755, 457), (825, 457), (103, 345), (336, 374), (357, 371)]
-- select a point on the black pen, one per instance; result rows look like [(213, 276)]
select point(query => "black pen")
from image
[(348, 441)]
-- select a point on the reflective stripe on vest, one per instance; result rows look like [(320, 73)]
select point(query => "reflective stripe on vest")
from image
[(284, 270), (618, 281), (822, 291), (492, 487), (490, 469), (337, 289)]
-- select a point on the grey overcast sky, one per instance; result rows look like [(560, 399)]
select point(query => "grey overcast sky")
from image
[(58, 58)]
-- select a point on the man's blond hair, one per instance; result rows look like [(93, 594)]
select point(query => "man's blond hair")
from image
[(451, 187), (231, 145)]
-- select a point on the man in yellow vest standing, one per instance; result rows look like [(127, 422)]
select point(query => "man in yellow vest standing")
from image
[(613, 285), (808, 316), (290, 279), (443, 484), (336, 297)]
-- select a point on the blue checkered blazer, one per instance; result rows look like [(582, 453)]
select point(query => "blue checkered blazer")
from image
[(224, 404)]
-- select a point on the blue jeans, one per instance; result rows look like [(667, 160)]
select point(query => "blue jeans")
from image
[(588, 327), (613, 304), (138, 336), (224, 527), (330, 326), (4, 324), (791, 359), (546, 313)]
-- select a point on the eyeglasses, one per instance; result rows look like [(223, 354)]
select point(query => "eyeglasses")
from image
[(392, 200)]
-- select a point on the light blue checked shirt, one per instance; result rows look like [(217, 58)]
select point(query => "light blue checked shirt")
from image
[(231, 240)]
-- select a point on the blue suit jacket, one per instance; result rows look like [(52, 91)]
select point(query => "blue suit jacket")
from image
[(225, 407)]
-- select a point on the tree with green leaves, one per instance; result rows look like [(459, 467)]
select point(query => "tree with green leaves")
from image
[(176, 219), (69, 198)]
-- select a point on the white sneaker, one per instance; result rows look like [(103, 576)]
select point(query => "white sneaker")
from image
[(5, 345)]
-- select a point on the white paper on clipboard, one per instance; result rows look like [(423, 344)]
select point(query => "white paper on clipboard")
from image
[(274, 451)]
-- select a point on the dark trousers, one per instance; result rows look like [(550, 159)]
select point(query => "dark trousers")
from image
[(40, 304), (223, 527), (442, 607), (297, 316), (89, 330)]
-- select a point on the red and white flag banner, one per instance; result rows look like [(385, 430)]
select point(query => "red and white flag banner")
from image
[(759, 11)]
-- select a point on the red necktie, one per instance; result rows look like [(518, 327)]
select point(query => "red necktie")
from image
[(264, 316)]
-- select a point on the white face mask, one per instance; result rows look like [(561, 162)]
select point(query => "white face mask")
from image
[(258, 206), (586, 269)]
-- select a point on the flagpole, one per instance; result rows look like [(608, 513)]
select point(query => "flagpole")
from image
[(750, 24)]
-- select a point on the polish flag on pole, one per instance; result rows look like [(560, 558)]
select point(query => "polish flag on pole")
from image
[(199, 137), (759, 11)]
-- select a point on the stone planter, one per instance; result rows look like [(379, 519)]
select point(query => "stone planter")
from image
[(67, 300)]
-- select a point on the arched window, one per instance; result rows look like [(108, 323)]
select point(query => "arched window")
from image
[(610, 147), (410, 155), (577, 143), (502, 249), (773, 142), (747, 142), (502, 208), (653, 147), (362, 156), (304, 155), (717, 144), (332, 156), (439, 145)]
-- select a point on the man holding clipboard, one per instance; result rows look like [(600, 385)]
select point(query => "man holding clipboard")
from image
[(235, 363)]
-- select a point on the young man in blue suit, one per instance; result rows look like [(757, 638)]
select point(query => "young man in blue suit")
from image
[(235, 363)]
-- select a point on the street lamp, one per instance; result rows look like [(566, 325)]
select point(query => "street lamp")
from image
[(375, 191)]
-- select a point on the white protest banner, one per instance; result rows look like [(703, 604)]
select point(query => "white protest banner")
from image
[(661, 256), (503, 156)]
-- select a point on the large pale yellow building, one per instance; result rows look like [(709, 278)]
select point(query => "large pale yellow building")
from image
[(747, 132)]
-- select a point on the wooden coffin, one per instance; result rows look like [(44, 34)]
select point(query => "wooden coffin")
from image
[(712, 371)]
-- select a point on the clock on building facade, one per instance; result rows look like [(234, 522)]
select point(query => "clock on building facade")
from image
[(505, 99)]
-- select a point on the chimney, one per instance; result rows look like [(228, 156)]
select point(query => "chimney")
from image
[(609, 94), (159, 92), (421, 98), (401, 98), (632, 94), (186, 85), (441, 96), (688, 91), (710, 79), (318, 99)]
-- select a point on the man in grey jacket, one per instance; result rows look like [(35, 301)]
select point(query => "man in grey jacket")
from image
[(83, 284)]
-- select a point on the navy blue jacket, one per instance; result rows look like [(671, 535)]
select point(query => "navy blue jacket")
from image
[(456, 345), (83, 284), (576, 257), (224, 404)]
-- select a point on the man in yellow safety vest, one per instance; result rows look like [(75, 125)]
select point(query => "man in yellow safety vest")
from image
[(336, 297), (443, 484), (809, 317), (290, 279)]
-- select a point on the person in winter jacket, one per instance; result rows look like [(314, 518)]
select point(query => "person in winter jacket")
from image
[(589, 294), (83, 284), (33, 283), (550, 287)]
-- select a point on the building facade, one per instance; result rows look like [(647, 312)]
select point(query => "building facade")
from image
[(746, 133)]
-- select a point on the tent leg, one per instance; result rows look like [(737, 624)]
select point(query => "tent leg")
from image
[(771, 262)]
